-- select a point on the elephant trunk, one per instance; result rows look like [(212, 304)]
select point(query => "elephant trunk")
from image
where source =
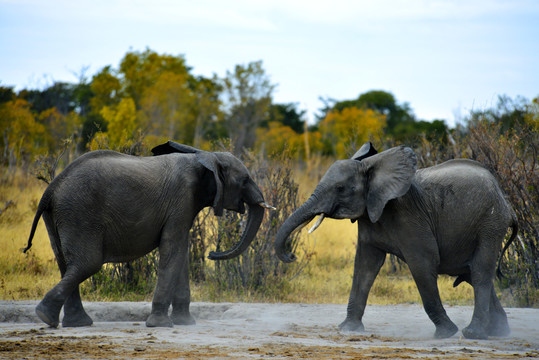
[(254, 219), (298, 219)]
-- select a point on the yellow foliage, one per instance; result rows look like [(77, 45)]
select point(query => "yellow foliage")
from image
[(278, 137), (104, 87), (99, 141), (58, 127), (166, 108), (121, 120), (532, 117), (18, 127), (350, 127)]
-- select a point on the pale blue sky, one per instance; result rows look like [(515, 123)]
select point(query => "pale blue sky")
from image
[(443, 57)]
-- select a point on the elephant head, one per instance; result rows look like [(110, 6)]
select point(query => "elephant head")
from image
[(351, 189), (234, 187)]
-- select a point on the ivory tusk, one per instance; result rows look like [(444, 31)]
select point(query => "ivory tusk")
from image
[(266, 206), (315, 226)]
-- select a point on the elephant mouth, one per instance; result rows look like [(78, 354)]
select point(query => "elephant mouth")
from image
[(241, 207), (336, 216)]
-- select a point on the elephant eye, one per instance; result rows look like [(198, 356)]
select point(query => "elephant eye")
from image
[(340, 188)]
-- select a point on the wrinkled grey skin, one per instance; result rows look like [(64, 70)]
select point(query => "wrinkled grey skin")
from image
[(111, 207), (447, 219)]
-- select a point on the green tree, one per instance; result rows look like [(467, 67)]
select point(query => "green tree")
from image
[(6, 94), (206, 110), (288, 115), (59, 95), (141, 70), (247, 100), (508, 112), (401, 123)]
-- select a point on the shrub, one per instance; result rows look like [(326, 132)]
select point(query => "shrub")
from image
[(257, 271), (512, 156)]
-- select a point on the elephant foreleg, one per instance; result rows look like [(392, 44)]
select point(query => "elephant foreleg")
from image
[(182, 294), (172, 249), (367, 264)]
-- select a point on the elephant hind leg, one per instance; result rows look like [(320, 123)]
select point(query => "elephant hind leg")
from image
[(483, 266), (66, 291), (498, 325), (426, 279), (74, 314)]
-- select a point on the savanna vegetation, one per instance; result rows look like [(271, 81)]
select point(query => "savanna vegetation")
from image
[(151, 98)]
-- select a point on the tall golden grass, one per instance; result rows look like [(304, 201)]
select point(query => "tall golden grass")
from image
[(326, 279), (30, 275)]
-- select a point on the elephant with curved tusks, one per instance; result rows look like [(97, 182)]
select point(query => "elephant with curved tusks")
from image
[(446, 219), (111, 207)]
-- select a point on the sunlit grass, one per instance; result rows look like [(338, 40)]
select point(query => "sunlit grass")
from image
[(30, 275), (326, 279)]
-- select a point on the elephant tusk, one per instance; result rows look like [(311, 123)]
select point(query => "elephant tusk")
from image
[(315, 226), (266, 206)]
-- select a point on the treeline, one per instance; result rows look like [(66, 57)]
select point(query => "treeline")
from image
[(151, 98), (156, 97)]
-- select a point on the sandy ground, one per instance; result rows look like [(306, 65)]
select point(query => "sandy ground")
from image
[(259, 331)]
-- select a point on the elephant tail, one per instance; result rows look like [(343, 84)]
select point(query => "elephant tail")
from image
[(514, 234), (43, 205)]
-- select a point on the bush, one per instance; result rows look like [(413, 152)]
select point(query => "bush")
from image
[(257, 271), (512, 156)]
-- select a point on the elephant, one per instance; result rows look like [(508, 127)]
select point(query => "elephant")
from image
[(446, 219), (111, 207)]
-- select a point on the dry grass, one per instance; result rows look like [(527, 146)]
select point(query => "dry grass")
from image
[(30, 275), (326, 279)]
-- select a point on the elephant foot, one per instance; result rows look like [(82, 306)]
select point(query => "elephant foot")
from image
[(183, 319), (352, 325), (47, 315), (77, 320), (445, 331), (474, 333), (155, 320)]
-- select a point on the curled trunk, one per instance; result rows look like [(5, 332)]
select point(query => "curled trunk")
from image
[(298, 219), (254, 219)]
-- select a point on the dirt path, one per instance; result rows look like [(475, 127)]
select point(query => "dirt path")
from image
[(259, 331)]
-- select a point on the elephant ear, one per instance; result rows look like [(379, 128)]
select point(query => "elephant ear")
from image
[(172, 147), (367, 150), (390, 176), (211, 162), (207, 159)]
